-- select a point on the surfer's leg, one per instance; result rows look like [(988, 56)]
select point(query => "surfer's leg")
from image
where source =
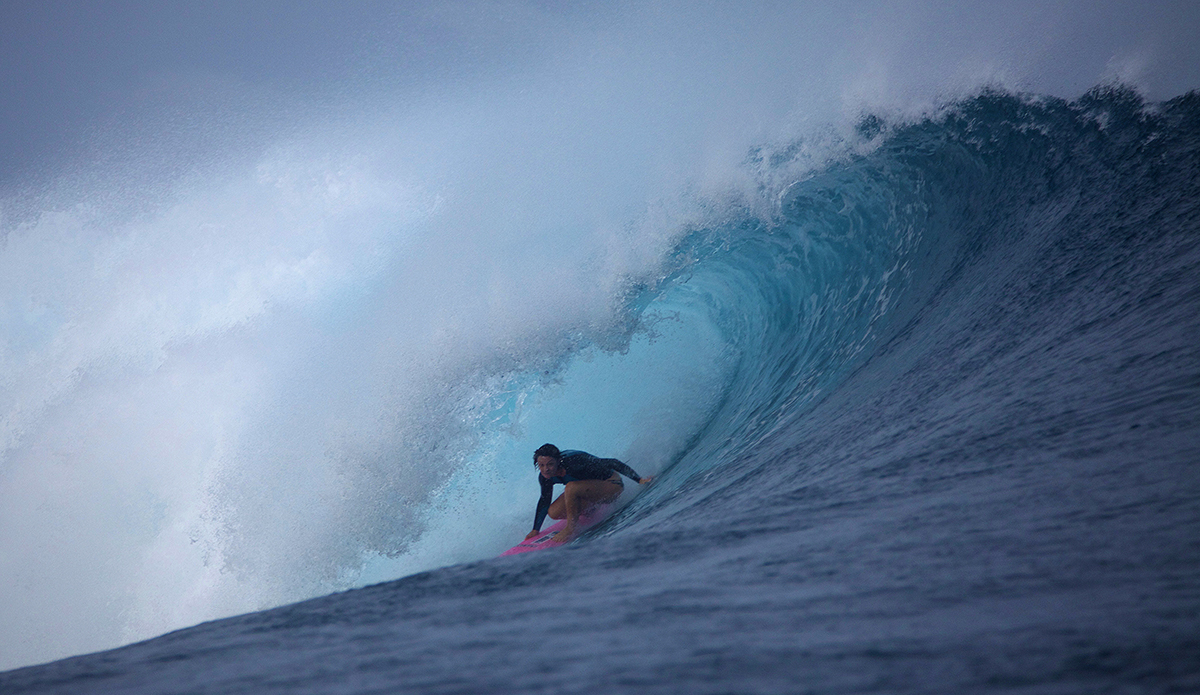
[(558, 508), (581, 495), (587, 492)]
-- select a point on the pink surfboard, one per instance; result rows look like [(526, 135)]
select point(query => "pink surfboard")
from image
[(543, 540)]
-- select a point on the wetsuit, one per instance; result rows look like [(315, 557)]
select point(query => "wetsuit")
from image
[(580, 465)]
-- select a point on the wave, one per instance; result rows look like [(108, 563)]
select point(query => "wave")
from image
[(854, 254), (714, 348), (949, 371)]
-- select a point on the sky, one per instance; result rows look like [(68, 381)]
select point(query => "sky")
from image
[(70, 69)]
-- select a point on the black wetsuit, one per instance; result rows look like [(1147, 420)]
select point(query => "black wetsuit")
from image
[(580, 465)]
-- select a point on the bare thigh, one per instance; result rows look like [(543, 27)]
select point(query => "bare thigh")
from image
[(589, 493)]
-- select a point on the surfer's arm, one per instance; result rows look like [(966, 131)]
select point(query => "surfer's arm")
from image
[(625, 470), (543, 504)]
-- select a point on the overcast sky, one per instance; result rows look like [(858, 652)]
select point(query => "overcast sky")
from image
[(67, 66), (70, 68)]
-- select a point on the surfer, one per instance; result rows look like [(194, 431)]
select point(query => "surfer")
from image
[(586, 480)]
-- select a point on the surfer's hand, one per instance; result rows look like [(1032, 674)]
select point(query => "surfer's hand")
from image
[(646, 480), (532, 534)]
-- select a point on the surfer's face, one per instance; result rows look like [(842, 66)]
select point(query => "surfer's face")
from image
[(548, 465)]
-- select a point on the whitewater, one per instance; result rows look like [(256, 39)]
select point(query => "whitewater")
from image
[(918, 377)]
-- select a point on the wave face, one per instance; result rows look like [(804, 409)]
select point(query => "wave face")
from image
[(930, 422)]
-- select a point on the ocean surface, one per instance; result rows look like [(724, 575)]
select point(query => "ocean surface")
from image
[(933, 426)]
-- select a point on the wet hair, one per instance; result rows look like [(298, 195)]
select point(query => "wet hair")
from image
[(547, 450)]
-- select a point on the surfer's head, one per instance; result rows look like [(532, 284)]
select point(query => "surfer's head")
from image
[(547, 450), (547, 458)]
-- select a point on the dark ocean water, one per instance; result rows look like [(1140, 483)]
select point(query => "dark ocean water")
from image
[(959, 452)]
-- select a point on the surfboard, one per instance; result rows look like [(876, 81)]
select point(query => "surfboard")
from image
[(544, 539)]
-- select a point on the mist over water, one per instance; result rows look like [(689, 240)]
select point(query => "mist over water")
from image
[(260, 343)]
